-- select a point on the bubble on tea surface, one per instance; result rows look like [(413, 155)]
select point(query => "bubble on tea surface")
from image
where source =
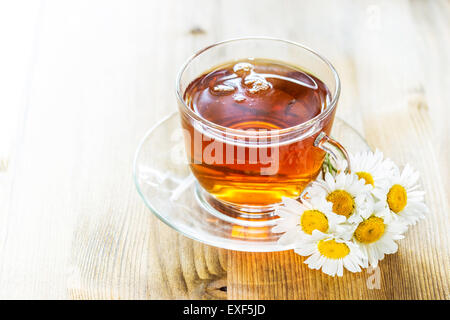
[(256, 83), (222, 89), (239, 97), (243, 68)]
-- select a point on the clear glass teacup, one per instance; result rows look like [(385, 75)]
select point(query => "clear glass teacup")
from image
[(245, 173)]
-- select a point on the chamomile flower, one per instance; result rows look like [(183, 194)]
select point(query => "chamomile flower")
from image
[(350, 197), (373, 169), (330, 254), (298, 220), (404, 197), (377, 234), (352, 219)]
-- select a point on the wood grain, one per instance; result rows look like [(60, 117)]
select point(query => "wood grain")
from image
[(84, 81)]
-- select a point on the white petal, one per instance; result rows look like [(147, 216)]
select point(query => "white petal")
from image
[(330, 181), (289, 238), (340, 269), (330, 267)]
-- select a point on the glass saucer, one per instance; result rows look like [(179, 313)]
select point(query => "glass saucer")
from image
[(168, 188)]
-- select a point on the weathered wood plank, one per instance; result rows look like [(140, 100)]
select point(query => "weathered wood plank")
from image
[(92, 77)]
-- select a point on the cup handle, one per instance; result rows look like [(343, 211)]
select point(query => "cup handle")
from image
[(336, 151)]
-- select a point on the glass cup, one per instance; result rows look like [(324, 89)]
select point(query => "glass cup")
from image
[(245, 173)]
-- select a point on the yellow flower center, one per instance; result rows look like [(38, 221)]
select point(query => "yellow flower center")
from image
[(366, 176), (343, 203), (313, 220), (397, 198), (332, 249), (370, 230)]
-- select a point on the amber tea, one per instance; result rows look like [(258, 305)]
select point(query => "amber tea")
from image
[(256, 96)]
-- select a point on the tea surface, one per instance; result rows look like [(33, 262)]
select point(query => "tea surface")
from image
[(257, 94)]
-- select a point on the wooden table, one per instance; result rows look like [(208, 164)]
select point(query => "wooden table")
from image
[(81, 82)]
